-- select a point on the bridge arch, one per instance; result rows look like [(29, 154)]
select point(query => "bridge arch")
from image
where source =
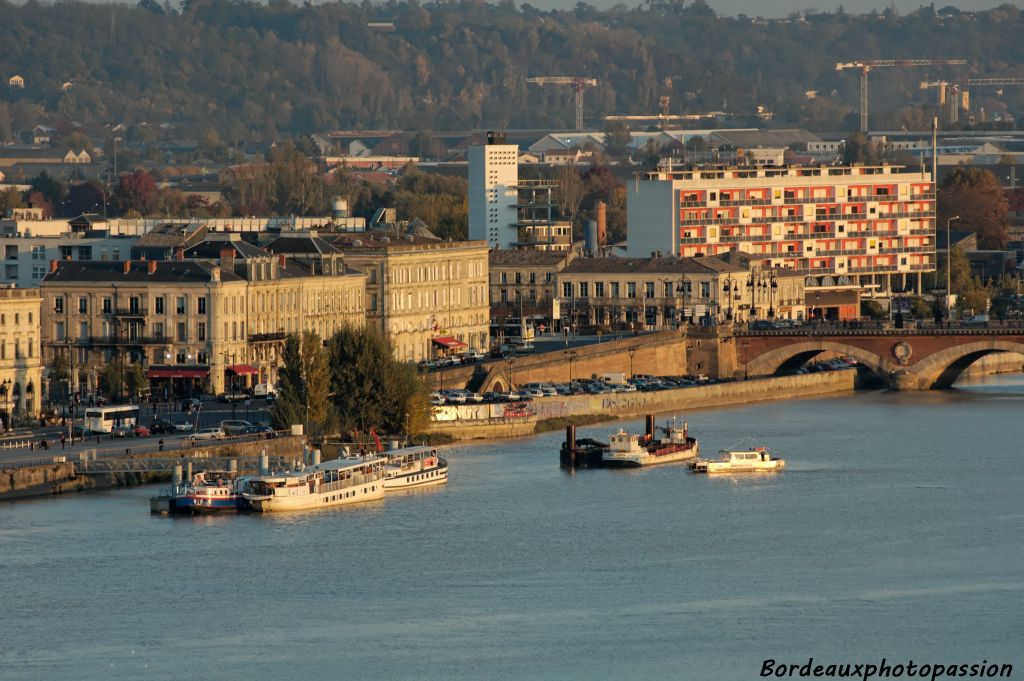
[(942, 368), (789, 358)]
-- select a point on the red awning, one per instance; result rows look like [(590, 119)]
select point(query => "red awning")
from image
[(243, 369), (449, 342), (172, 372)]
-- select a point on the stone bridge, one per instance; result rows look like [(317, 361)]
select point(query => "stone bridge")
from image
[(909, 359)]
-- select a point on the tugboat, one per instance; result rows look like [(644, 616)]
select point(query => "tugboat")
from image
[(754, 460), (631, 450)]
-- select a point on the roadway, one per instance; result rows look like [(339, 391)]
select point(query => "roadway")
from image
[(210, 415)]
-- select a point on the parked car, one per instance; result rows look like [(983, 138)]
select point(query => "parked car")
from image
[(436, 398), (159, 426), (207, 434), (121, 431), (977, 320), (234, 426), (78, 430), (233, 397), (183, 426), (140, 430), (492, 396), (474, 355)]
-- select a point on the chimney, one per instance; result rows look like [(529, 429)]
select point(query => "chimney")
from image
[(151, 265), (127, 266), (602, 223), (227, 259), (282, 260), (53, 265), (179, 253)]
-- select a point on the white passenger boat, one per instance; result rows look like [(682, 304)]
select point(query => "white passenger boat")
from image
[(628, 449), (418, 466), (331, 483), (756, 460)]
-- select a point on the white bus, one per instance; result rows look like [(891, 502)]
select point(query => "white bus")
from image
[(104, 419)]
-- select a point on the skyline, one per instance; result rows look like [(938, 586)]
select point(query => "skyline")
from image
[(782, 8)]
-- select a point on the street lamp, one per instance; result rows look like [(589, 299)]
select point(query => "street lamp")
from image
[(730, 289), (632, 353), (949, 267), (570, 356), (752, 286), (510, 360), (683, 290), (5, 388), (772, 284)]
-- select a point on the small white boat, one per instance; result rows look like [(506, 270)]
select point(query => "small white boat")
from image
[(756, 460), (414, 467), (628, 449), (336, 482)]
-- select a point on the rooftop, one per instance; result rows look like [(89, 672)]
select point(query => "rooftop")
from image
[(105, 271), (670, 265), (526, 258)]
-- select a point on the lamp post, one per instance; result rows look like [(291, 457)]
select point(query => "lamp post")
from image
[(752, 286), (5, 390), (71, 389), (570, 356), (510, 360), (683, 289), (632, 353), (730, 289), (772, 284), (949, 268)]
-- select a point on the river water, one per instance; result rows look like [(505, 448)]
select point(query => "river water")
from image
[(895, 531)]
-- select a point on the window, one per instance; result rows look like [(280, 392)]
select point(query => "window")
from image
[(504, 277), (599, 289), (548, 277), (39, 253), (503, 293), (519, 278), (631, 289), (107, 303), (181, 305), (705, 289), (38, 272), (85, 252), (133, 304), (83, 305), (201, 331), (83, 330), (567, 289), (201, 305), (58, 331), (533, 277), (649, 289), (584, 289), (159, 304), (158, 329), (202, 358), (58, 305), (179, 358), (115, 254), (668, 289), (65, 252), (615, 289), (182, 332)]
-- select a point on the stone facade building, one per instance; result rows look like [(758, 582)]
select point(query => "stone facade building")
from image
[(429, 295), (211, 322), (20, 362)]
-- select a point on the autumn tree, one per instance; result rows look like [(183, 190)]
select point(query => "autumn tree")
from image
[(136, 194), (617, 139), (975, 196)]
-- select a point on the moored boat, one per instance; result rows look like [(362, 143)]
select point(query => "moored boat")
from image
[(755, 460), (206, 494), (336, 482), (629, 449), (417, 466)]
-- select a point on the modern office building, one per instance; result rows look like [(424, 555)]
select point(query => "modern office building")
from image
[(864, 222), (493, 193)]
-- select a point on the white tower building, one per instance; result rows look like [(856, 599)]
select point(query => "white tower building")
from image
[(493, 178)]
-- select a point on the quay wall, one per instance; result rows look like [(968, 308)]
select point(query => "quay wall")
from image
[(467, 422), (64, 477)]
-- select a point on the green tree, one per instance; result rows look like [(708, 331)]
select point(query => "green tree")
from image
[(134, 380), (371, 388), (872, 309), (303, 386), (975, 195), (52, 189), (857, 149), (617, 139), (58, 377)]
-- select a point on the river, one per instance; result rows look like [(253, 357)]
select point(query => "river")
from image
[(895, 531)]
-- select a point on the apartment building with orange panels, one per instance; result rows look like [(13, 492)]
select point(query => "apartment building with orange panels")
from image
[(861, 222)]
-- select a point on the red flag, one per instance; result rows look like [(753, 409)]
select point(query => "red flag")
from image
[(380, 447)]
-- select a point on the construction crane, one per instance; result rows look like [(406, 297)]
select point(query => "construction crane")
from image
[(961, 95), (578, 84), (869, 64)]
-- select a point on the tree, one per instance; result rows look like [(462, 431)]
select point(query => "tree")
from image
[(857, 149), (570, 190), (976, 197), (136, 193), (58, 376), (134, 380), (84, 197), (617, 139), (371, 389), (303, 385), (10, 199), (872, 309), (52, 190)]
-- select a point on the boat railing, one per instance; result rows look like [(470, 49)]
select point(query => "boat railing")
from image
[(354, 481)]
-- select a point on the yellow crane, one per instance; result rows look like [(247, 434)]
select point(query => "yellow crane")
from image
[(867, 65), (578, 83), (961, 96)]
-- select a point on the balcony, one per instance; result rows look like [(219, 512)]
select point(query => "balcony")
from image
[(120, 340), (130, 313), (267, 337)]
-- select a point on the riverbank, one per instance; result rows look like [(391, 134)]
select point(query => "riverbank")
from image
[(463, 423)]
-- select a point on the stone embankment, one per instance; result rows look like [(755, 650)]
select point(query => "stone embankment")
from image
[(472, 422), (128, 471)]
